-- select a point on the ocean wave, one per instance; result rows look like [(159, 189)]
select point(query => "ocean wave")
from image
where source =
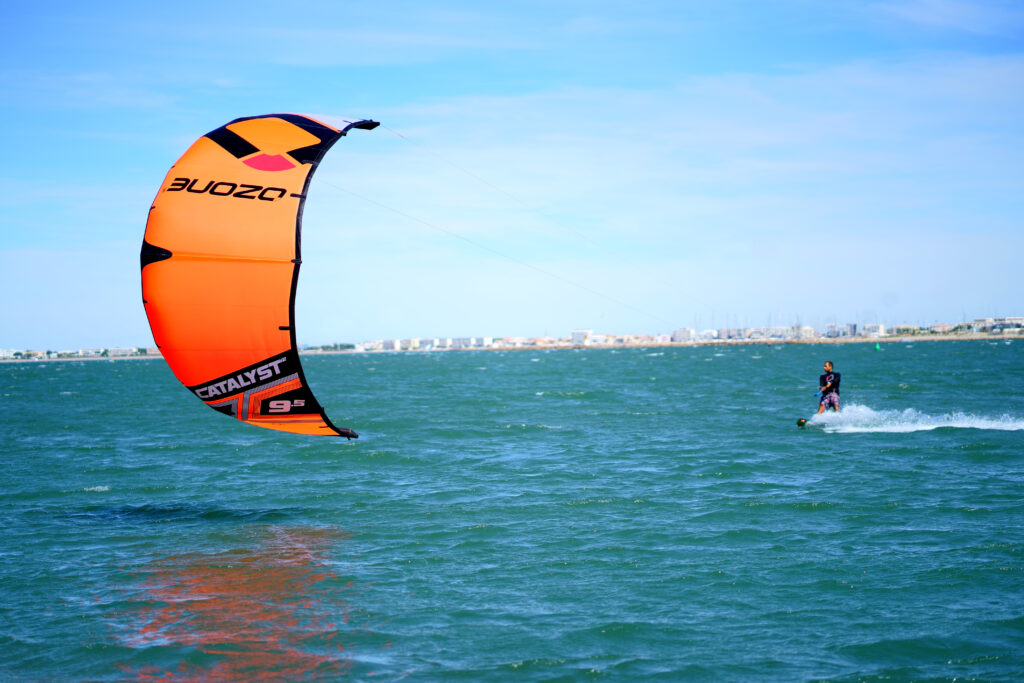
[(859, 418), (522, 426), (182, 512)]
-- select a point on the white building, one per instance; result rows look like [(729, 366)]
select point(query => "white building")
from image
[(733, 333), (513, 342), (775, 332), (683, 334), (581, 337), (836, 330)]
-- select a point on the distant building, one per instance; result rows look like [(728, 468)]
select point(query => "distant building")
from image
[(873, 330), (773, 332), (548, 341), (733, 333), (514, 342), (683, 334), (581, 337), (835, 330), (804, 332)]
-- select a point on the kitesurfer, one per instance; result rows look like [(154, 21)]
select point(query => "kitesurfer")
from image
[(829, 389)]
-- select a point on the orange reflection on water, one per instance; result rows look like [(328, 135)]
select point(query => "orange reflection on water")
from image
[(263, 613)]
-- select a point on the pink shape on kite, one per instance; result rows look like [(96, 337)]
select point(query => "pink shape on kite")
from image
[(269, 162)]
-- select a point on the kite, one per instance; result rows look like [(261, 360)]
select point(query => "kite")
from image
[(220, 266)]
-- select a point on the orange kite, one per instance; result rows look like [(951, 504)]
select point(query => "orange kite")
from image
[(220, 265)]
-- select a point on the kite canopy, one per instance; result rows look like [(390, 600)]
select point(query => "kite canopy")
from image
[(220, 266)]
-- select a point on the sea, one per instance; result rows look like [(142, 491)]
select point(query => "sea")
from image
[(528, 515)]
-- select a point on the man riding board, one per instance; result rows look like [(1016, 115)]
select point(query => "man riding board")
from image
[(829, 385)]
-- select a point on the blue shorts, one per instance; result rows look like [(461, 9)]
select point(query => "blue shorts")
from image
[(830, 400)]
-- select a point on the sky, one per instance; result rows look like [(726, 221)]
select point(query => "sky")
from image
[(626, 167)]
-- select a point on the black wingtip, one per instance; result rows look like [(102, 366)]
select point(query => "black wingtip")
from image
[(151, 254)]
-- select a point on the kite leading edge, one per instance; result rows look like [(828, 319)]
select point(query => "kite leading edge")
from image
[(220, 265)]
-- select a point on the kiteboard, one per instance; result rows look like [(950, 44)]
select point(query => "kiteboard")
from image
[(801, 422)]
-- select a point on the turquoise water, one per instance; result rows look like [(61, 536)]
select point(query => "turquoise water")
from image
[(526, 515)]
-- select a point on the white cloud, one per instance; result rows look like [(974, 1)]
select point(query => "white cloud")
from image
[(989, 17), (716, 194), (611, 155)]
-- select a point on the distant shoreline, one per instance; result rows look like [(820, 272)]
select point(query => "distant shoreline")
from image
[(703, 342), (78, 358), (907, 339)]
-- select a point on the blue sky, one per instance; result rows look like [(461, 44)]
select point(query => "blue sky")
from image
[(542, 166)]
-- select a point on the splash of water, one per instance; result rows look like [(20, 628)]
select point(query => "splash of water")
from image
[(860, 418)]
